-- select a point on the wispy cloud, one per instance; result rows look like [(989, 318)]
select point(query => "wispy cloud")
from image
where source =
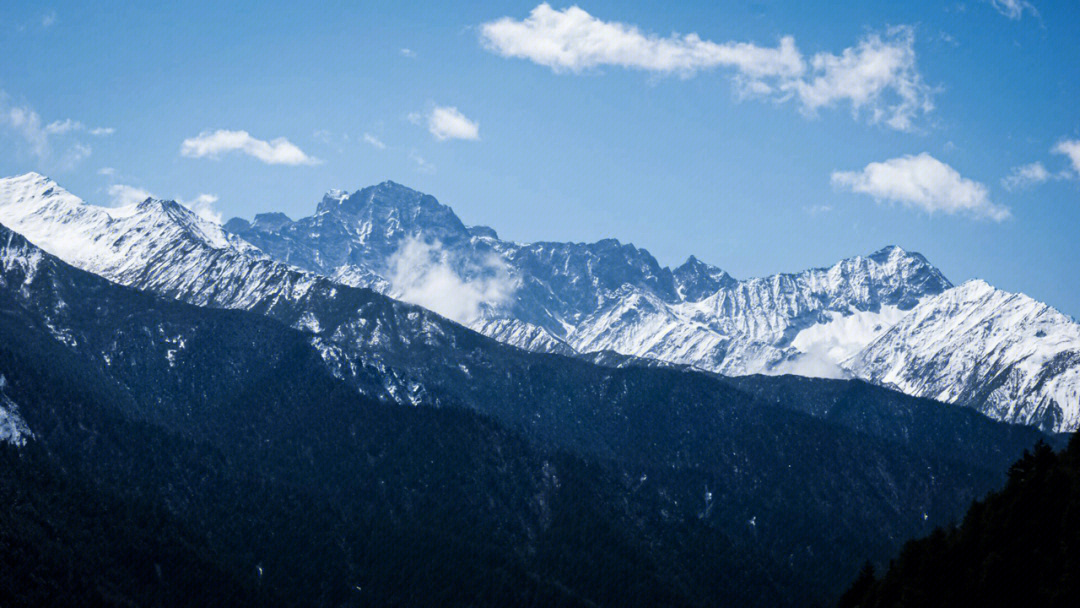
[(422, 165), (123, 195), (203, 206), (48, 19), (445, 122), (817, 209), (374, 141), (1014, 9), (74, 155), (33, 136), (877, 77), (1026, 175), (63, 127), (25, 123), (1036, 173), (405, 52), (212, 144), (922, 182), (60, 127), (107, 171)]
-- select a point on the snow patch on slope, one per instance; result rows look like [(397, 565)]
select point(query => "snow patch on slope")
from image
[(13, 428), (845, 334)]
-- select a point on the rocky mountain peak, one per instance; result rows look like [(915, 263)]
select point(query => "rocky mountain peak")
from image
[(695, 279), (270, 221)]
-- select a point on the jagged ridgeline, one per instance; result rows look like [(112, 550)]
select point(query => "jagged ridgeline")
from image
[(889, 317), (246, 461), (1018, 547)]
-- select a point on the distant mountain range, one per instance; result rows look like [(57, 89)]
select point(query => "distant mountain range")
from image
[(890, 317)]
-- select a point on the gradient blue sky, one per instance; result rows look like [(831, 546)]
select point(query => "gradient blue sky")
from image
[(691, 159)]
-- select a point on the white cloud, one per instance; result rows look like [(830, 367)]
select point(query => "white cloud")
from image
[(212, 144), (107, 171), (446, 122), (425, 274), (1026, 175), (408, 53), (1014, 9), (374, 141), (124, 195), (60, 127), (48, 19), (922, 182), (878, 75), (102, 131), (1071, 149), (573, 40)]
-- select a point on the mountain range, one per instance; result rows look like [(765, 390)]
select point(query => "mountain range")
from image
[(257, 419), (890, 318)]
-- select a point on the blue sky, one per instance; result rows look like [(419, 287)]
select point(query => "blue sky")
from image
[(761, 136)]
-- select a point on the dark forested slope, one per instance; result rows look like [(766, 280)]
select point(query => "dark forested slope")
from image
[(1018, 547)]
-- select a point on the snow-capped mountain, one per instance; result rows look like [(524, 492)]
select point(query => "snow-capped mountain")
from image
[(608, 296), (163, 247), (577, 297), (569, 298), (1005, 354)]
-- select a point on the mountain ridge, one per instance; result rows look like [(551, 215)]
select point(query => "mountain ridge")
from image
[(610, 296), (564, 298)]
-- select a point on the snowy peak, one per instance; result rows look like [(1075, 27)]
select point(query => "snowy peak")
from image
[(391, 203), (695, 279), (1004, 354), (891, 276), (34, 192), (109, 241)]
